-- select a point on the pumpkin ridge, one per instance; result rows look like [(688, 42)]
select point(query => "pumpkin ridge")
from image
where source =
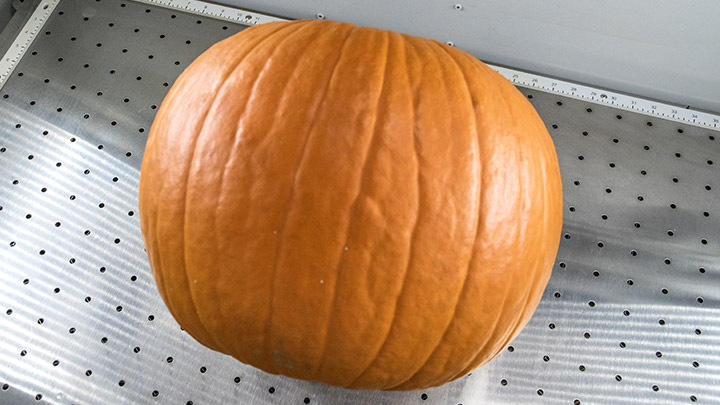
[(253, 89), (192, 158), (363, 172), (477, 227), (538, 274), (233, 149), (156, 232), (414, 226), (488, 335), (510, 334), (281, 230), (518, 326), (508, 293)]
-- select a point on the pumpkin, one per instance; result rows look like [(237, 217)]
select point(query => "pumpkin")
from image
[(349, 205)]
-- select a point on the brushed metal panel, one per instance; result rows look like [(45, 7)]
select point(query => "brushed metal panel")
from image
[(631, 313)]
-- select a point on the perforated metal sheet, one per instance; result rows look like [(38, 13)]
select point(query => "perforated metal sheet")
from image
[(631, 313)]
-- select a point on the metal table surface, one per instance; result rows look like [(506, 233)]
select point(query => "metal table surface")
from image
[(631, 313)]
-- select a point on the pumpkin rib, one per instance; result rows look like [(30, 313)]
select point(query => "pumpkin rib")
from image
[(378, 234), (288, 204), (236, 138), (477, 226), (161, 281), (185, 215), (170, 304), (508, 294), (413, 229), (520, 324), (354, 205), (481, 347), (538, 274), (191, 159)]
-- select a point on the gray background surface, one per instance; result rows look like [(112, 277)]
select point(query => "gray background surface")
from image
[(631, 313), (660, 49)]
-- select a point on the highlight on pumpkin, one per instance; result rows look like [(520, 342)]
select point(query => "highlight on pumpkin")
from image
[(349, 205)]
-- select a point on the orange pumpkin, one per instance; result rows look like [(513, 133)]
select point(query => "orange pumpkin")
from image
[(349, 205)]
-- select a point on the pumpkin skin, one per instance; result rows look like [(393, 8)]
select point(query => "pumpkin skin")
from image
[(349, 205)]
